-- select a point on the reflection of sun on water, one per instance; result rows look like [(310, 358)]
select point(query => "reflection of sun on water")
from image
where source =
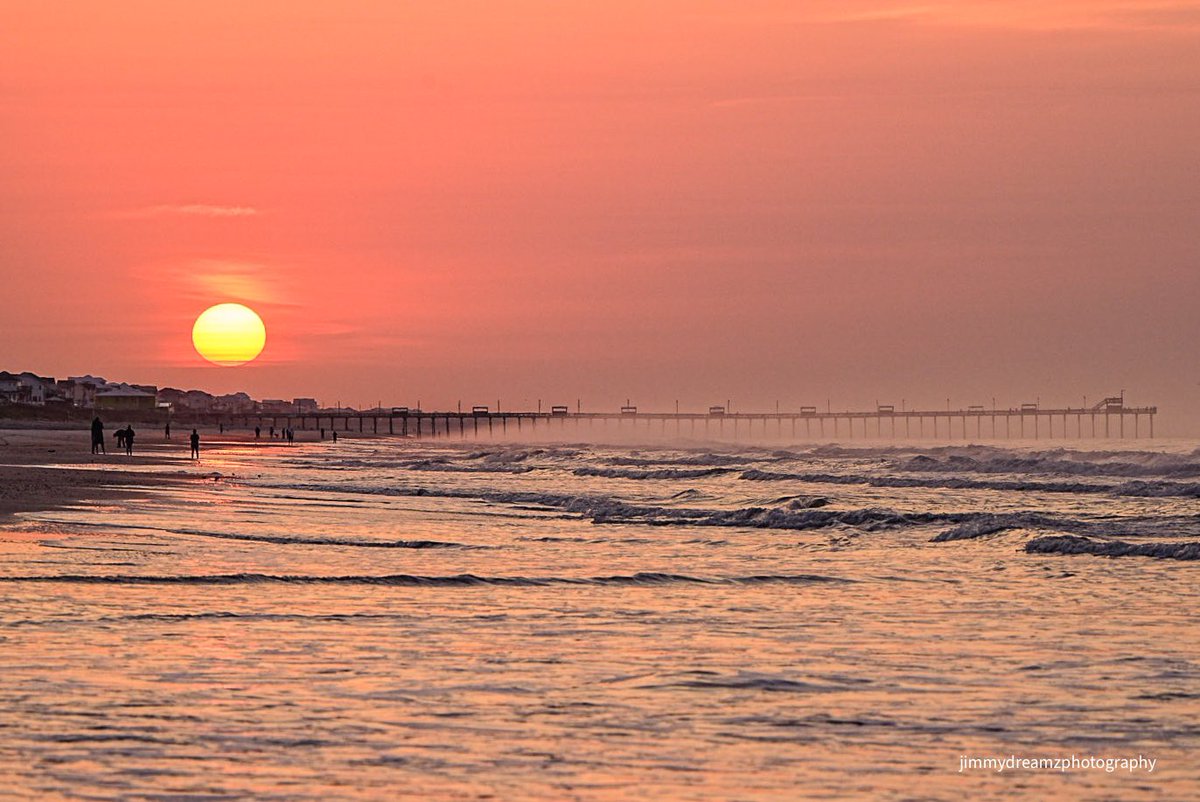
[(229, 334)]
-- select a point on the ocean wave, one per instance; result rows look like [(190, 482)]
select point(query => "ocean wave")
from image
[(724, 460), (868, 519), (662, 473), (990, 524), (1063, 463), (645, 578), (948, 482), (608, 510), (804, 502), (755, 683), (981, 524), (1157, 489), (1142, 489), (446, 466), (171, 618), (321, 540), (507, 456), (1073, 544)]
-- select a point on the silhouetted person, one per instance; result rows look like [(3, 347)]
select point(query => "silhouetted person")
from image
[(119, 434), (322, 432), (257, 431), (167, 431), (98, 436), (221, 427), (291, 435), (195, 438), (129, 441), (335, 435)]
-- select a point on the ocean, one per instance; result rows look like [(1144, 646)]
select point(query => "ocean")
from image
[(386, 619)]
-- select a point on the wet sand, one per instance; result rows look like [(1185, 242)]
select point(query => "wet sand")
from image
[(42, 469)]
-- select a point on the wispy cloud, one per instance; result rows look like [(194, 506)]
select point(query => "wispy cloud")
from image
[(187, 210)]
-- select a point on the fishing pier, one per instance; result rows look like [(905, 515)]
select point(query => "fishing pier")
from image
[(1110, 418)]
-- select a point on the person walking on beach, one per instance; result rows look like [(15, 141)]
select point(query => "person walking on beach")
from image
[(167, 430), (257, 431), (335, 435), (195, 438), (119, 434), (129, 440), (98, 436)]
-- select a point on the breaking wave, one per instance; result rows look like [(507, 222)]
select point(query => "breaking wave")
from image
[(1073, 544), (695, 460), (662, 473), (450, 467), (990, 524), (607, 510), (505, 456), (1060, 462), (981, 524), (1157, 489)]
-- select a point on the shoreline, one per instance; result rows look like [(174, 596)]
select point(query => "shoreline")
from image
[(44, 469)]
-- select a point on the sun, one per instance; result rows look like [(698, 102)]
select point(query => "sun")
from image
[(229, 334)]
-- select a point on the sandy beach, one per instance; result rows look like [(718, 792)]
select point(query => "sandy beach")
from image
[(43, 468)]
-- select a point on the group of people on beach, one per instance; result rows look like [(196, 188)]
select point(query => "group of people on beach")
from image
[(288, 433), (125, 438)]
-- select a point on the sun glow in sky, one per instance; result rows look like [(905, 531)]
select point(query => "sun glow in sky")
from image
[(840, 199), (229, 334)]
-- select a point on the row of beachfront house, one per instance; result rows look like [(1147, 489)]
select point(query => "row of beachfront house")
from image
[(92, 392), (80, 391)]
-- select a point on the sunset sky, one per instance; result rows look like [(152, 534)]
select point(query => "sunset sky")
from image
[(801, 201)]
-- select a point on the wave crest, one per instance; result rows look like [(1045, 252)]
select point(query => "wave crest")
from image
[(1073, 544)]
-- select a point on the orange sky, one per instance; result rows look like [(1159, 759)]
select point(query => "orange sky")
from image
[(850, 200)]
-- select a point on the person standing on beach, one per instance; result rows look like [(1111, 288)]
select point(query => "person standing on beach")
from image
[(167, 430), (335, 435), (257, 431), (195, 438), (129, 440), (98, 436), (119, 434)]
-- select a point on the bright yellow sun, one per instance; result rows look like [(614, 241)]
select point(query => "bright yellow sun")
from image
[(229, 334)]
